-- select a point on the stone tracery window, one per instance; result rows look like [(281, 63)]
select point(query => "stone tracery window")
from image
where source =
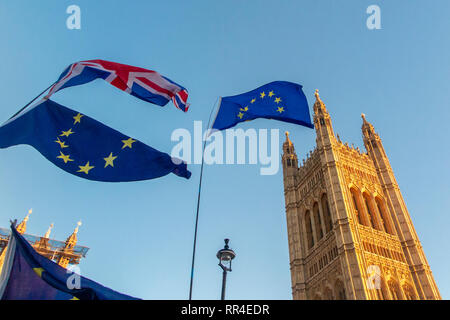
[(370, 214), (328, 294), (409, 292), (394, 289), (317, 297), (356, 206), (371, 210), (384, 216), (317, 221), (309, 233), (339, 290), (326, 213), (382, 292)]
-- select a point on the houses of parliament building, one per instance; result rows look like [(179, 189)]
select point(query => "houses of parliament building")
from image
[(61, 252), (350, 234)]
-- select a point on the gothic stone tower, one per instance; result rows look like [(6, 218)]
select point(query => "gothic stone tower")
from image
[(63, 253), (350, 233)]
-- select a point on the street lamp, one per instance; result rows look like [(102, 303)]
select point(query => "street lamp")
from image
[(225, 256)]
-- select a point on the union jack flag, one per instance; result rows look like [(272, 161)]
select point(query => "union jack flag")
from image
[(144, 84)]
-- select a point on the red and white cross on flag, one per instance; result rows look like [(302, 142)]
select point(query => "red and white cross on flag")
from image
[(144, 84)]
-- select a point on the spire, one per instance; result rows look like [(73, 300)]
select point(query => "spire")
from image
[(72, 239), (319, 105), (322, 123), (47, 234), (288, 146), (372, 140), (22, 227), (367, 128), (363, 116), (78, 226), (288, 141), (316, 93)]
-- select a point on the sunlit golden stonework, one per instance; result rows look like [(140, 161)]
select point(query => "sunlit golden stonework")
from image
[(350, 233), (62, 252)]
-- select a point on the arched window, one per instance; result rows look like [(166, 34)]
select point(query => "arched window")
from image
[(356, 206), (379, 291), (317, 221), (382, 292), (328, 294), (339, 290), (383, 215), (394, 290), (379, 294), (309, 233), (409, 292), (371, 214), (326, 214)]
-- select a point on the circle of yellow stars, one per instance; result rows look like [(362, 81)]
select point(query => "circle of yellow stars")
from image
[(109, 160), (262, 95)]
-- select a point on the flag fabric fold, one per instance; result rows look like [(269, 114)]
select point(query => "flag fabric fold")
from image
[(147, 85), (27, 275), (85, 147), (279, 100)]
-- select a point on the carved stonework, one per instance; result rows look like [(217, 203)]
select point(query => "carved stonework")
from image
[(346, 231)]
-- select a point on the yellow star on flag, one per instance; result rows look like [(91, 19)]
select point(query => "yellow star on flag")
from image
[(277, 100), (66, 133), (38, 271), (109, 160), (280, 109), (128, 143), (271, 93), (262, 94), (245, 109), (77, 118), (85, 168), (240, 115), (62, 144), (253, 100), (66, 158)]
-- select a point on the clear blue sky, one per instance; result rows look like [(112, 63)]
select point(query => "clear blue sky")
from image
[(140, 234)]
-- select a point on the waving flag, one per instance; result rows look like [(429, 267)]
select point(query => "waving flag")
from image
[(85, 147), (144, 84), (279, 100), (27, 275)]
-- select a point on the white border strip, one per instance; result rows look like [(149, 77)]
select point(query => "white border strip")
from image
[(7, 264), (210, 130)]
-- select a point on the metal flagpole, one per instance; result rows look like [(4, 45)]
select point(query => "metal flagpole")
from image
[(198, 201), (40, 94)]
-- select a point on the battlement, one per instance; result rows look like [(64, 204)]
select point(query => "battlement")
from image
[(352, 150), (312, 158)]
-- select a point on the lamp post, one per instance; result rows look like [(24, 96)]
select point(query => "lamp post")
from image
[(225, 256)]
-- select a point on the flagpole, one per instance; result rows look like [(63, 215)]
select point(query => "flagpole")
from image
[(24, 107), (198, 201)]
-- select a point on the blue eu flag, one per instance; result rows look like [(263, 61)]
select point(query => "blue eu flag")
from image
[(279, 100), (85, 147), (27, 275)]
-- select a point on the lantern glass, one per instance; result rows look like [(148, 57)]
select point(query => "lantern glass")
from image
[(225, 256), (226, 262)]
